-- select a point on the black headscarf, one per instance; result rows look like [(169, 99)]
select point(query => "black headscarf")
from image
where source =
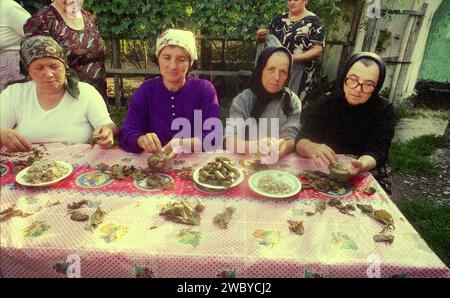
[(339, 85), (262, 96)]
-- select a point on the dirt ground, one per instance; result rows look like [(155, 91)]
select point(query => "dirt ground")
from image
[(435, 188)]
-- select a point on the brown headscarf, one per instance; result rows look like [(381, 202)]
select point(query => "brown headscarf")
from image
[(40, 46)]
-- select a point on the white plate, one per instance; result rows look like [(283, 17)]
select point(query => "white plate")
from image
[(196, 175), (20, 176), (286, 177)]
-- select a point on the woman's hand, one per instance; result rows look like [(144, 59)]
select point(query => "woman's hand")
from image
[(173, 148), (261, 34), (319, 153), (14, 141), (354, 167), (364, 163), (149, 143), (106, 136)]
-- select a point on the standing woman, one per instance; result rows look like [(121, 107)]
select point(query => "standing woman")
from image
[(12, 18), (75, 29), (302, 33)]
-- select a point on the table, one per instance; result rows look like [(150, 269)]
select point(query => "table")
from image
[(135, 241)]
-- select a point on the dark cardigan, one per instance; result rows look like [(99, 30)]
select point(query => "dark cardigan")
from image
[(365, 129), (360, 131)]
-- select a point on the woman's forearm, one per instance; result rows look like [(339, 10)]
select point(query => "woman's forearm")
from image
[(286, 147)]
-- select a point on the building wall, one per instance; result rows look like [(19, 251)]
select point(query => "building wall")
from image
[(398, 26), (436, 61)]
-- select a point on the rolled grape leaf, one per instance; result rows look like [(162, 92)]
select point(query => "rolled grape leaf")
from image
[(96, 220), (180, 212), (296, 227), (222, 219)]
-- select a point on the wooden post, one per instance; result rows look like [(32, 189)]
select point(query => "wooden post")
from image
[(116, 64), (348, 49), (223, 55), (418, 21), (370, 34), (403, 47), (206, 52)]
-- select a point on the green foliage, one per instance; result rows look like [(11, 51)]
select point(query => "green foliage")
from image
[(145, 19), (117, 114), (410, 156), (32, 6), (432, 222)]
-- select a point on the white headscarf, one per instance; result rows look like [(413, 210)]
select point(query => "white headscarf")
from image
[(180, 38)]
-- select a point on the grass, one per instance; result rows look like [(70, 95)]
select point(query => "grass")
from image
[(402, 112), (432, 222), (411, 156)]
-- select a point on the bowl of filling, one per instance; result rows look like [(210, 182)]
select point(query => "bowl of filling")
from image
[(275, 184), (44, 173)]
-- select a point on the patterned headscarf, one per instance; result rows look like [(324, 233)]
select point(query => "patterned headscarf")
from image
[(40, 46), (180, 38)]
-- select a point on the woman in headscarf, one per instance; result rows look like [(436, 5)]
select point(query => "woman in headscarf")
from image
[(266, 98), (353, 119), (76, 31), (159, 105), (302, 33), (53, 106)]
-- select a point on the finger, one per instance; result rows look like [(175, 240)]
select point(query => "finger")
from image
[(150, 142), (329, 156), (22, 144), (97, 130), (356, 163), (167, 148), (17, 147), (156, 142), (143, 143), (171, 155), (323, 158), (105, 133), (316, 161), (105, 142)]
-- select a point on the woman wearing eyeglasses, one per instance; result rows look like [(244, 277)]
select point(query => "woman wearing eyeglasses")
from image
[(352, 119)]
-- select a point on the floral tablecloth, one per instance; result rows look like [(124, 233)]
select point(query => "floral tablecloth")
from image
[(133, 240)]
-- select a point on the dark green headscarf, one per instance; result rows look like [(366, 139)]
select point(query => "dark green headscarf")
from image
[(40, 46)]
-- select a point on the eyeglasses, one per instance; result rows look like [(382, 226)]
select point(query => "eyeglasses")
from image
[(353, 83)]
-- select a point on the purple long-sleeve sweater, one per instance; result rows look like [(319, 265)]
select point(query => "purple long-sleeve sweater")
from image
[(153, 108)]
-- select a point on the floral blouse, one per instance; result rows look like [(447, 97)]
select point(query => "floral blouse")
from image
[(298, 37), (85, 48)]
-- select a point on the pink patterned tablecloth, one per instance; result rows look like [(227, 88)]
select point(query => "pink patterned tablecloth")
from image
[(135, 241)]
